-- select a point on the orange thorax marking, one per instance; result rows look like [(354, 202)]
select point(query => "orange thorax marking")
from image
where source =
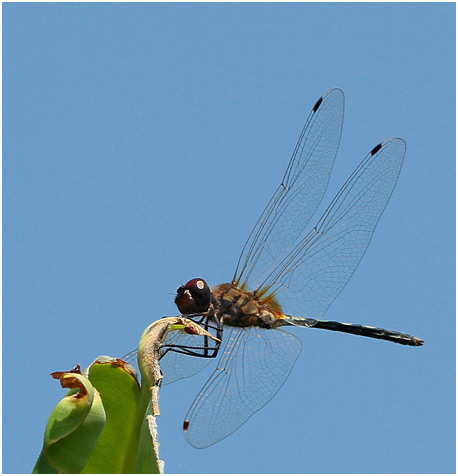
[(242, 308)]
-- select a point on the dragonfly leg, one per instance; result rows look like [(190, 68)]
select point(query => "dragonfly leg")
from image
[(209, 349), (208, 352)]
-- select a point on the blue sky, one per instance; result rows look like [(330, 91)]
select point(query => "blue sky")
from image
[(141, 143)]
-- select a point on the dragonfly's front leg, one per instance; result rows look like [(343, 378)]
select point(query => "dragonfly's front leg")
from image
[(210, 347)]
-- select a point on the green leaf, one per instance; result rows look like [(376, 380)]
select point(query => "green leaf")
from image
[(117, 448), (73, 427), (85, 436)]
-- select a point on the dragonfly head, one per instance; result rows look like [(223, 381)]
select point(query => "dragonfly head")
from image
[(193, 297)]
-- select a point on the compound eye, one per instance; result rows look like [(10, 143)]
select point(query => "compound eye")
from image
[(193, 297)]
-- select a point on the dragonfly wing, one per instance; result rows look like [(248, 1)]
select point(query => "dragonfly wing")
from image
[(299, 194), (131, 358), (319, 267), (176, 366), (254, 365)]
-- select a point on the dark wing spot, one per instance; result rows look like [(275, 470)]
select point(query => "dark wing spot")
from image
[(317, 105), (185, 425), (376, 149)]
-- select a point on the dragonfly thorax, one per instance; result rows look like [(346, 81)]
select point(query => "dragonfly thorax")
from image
[(240, 308)]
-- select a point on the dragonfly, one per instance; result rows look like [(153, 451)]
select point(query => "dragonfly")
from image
[(281, 267)]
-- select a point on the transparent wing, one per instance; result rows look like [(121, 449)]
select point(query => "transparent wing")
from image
[(319, 267), (253, 366), (299, 194), (174, 365), (131, 358)]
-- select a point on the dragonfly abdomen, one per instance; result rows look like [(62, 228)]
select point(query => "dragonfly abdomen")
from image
[(357, 329)]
